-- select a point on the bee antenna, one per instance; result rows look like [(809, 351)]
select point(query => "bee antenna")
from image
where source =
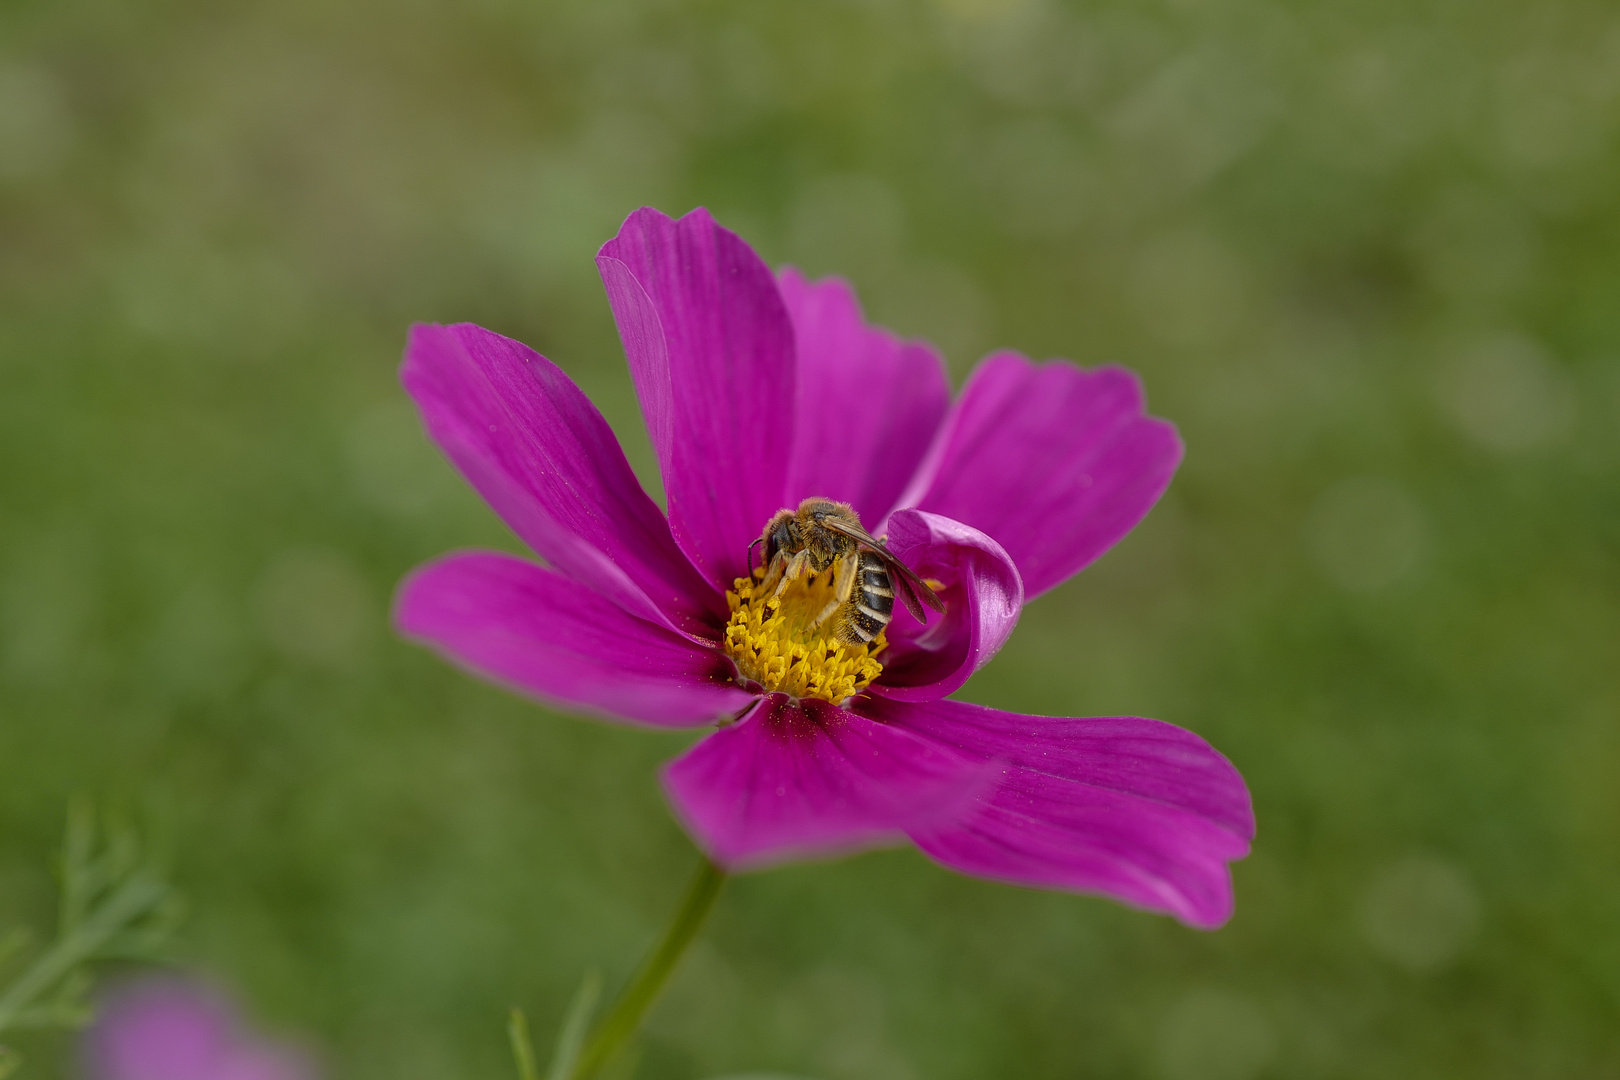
[(751, 548)]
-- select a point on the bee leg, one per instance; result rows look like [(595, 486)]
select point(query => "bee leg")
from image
[(773, 577), (843, 587), (793, 571), (844, 584)]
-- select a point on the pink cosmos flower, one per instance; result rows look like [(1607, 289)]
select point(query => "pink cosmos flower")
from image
[(168, 1028), (759, 391)]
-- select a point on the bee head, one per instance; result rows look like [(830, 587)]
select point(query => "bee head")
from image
[(782, 534)]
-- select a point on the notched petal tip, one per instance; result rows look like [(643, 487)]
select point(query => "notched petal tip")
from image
[(869, 403), (1134, 809), (711, 352), (1057, 462)]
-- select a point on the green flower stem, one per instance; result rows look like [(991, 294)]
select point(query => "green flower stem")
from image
[(625, 1016), (136, 897)]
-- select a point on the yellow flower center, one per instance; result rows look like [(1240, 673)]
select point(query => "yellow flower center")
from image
[(785, 642)]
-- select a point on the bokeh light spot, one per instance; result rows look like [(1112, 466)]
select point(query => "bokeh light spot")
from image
[(1506, 394), (36, 126), (1420, 913)]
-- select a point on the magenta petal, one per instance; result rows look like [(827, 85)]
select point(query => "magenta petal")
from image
[(264, 1063), (545, 635), (160, 1029), (711, 353), (1056, 462), (869, 403), (539, 452), (805, 778), (983, 596), (165, 1028), (1135, 809)]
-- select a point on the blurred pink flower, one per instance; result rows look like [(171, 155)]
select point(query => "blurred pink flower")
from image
[(171, 1028), (761, 390)]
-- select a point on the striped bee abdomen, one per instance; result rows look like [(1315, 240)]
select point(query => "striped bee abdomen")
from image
[(872, 604)]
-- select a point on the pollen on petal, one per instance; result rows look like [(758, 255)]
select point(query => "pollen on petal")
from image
[(785, 641)]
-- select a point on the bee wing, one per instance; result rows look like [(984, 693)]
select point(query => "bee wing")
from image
[(843, 526), (911, 586)]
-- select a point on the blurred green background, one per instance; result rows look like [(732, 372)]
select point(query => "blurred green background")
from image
[(1365, 254)]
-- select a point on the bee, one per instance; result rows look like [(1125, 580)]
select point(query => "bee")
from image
[(823, 533)]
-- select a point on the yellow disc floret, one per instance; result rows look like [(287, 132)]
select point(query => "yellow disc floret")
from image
[(784, 642)]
